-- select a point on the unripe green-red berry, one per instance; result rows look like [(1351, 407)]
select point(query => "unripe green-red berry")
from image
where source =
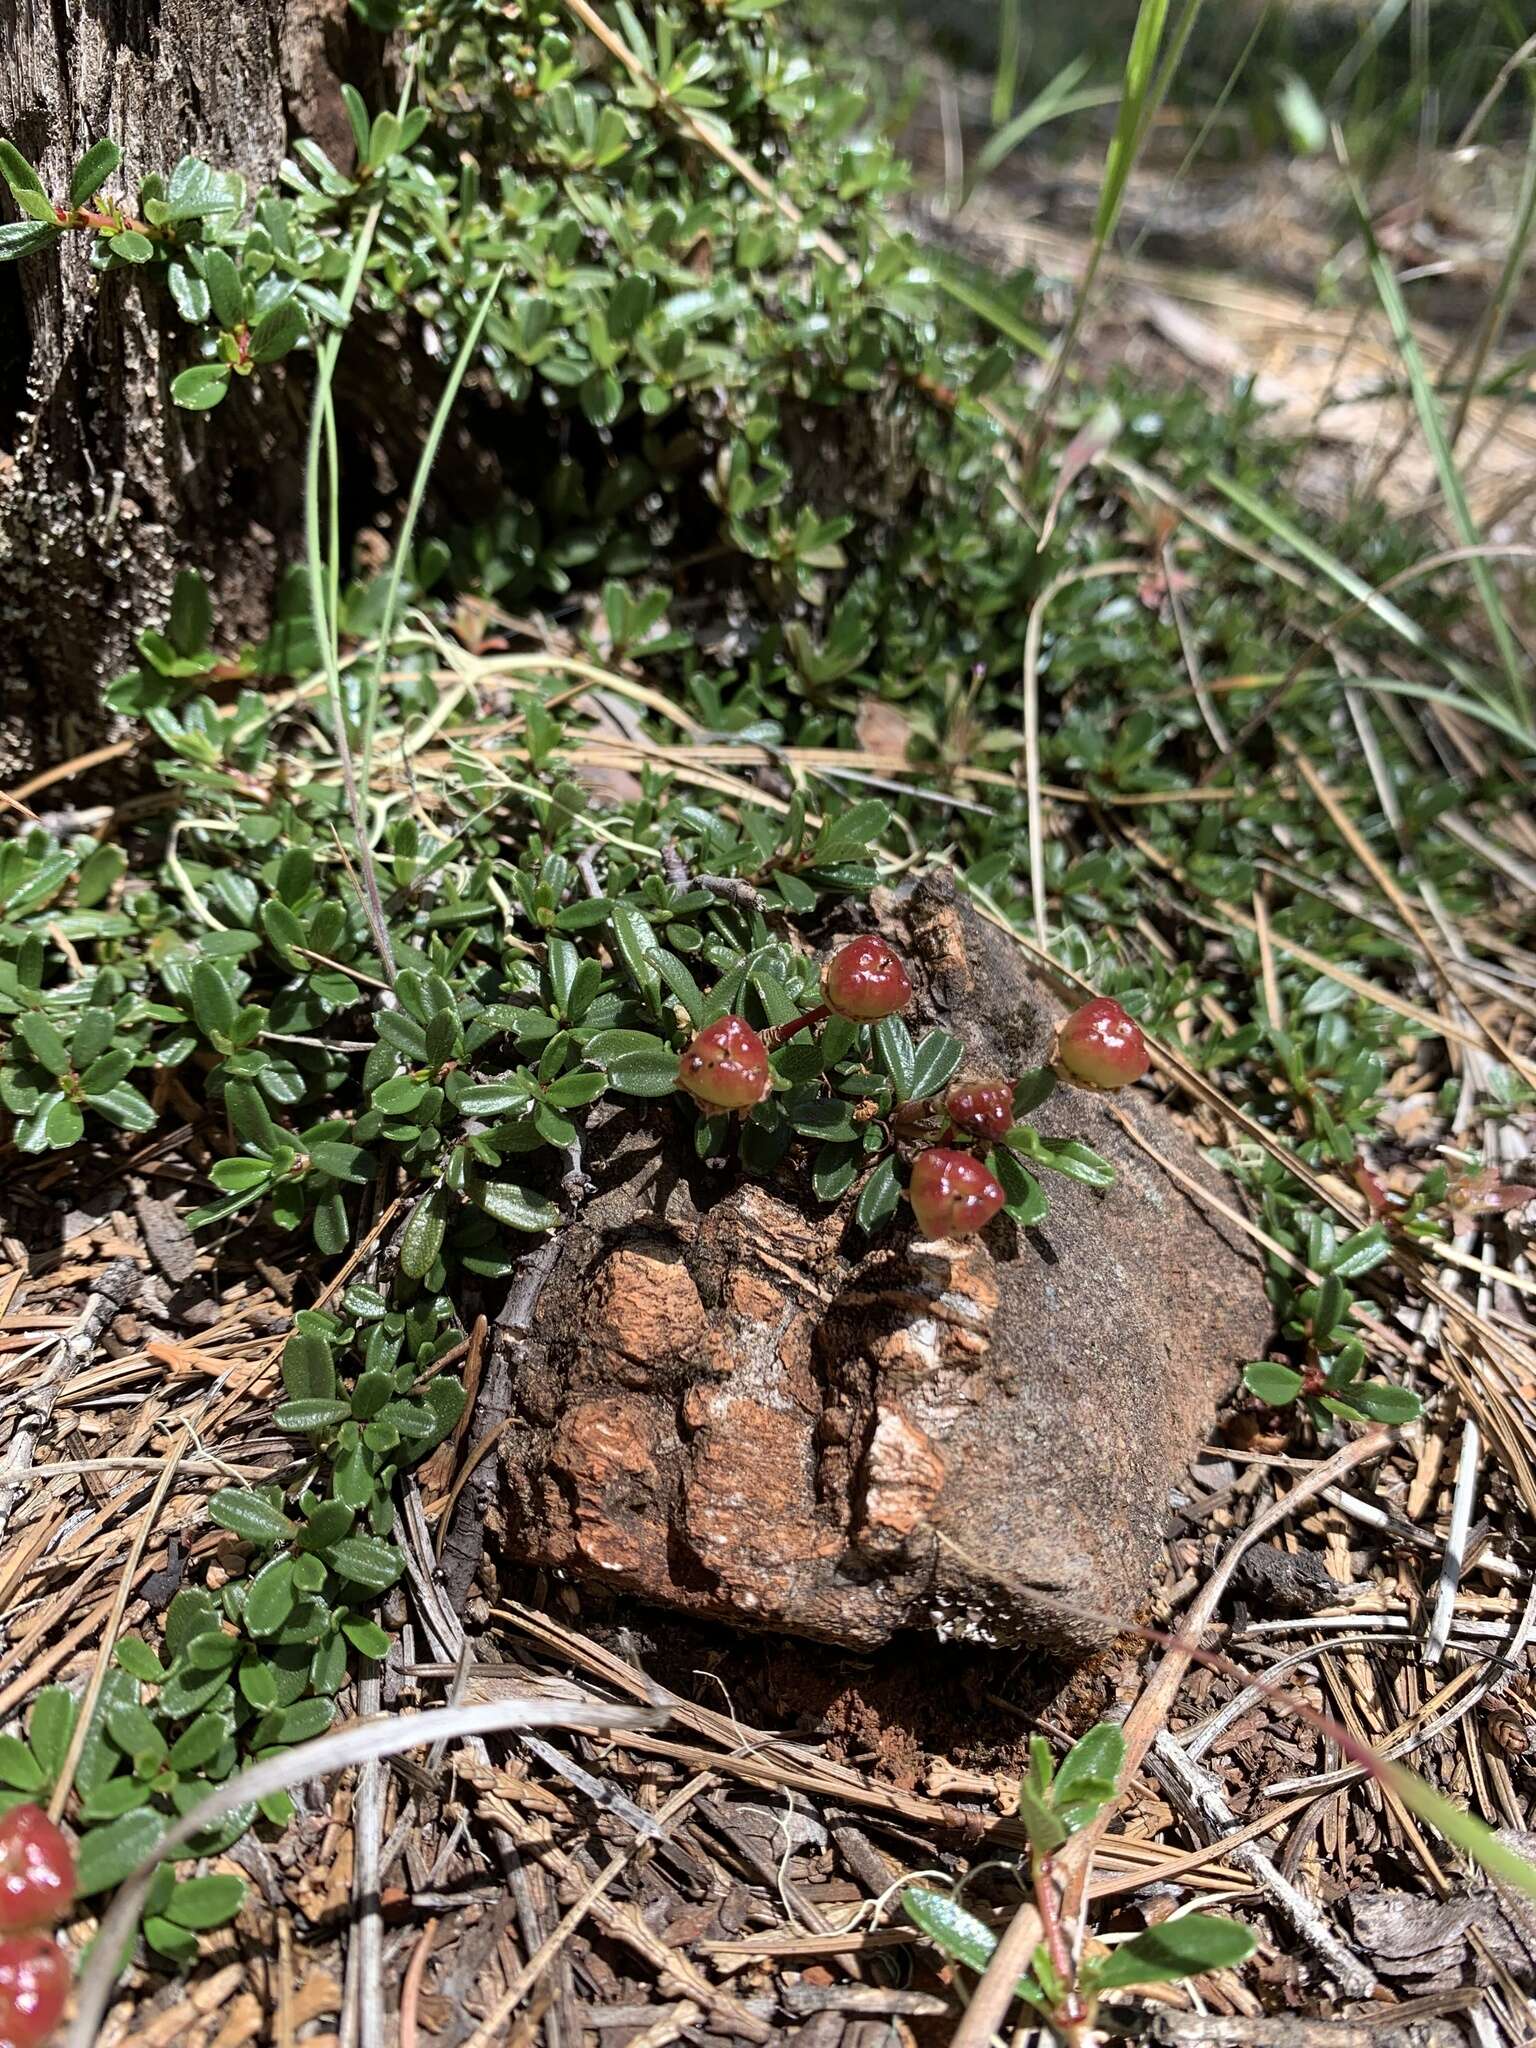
[(865, 981), (37, 1870), (34, 1989), (952, 1194), (981, 1109), (1101, 1046), (725, 1066)]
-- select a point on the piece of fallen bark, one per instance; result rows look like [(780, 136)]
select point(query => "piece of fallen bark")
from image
[(1276, 1581), (1432, 1944), (166, 1238)]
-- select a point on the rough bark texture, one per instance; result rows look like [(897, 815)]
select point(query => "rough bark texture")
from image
[(731, 1405), (106, 489)]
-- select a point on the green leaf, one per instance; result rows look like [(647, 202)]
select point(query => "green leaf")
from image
[(851, 832), (638, 947), (137, 1735), (196, 189), (643, 1073), (1185, 1946), (957, 1933), (202, 1902), (1026, 1200), (192, 1613), (240, 1176), (16, 171), (199, 1743), (250, 1517), (514, 1206), (1069, 1157), (1088, 1775), (366, 1562), (898, 1056), (212, 1651), (93, 170), (131, 246), (1382, 1402), (422, 1239), (1331, 1307), (201, 387), (213, 1001), (43, 1042), (333, 1519), (115, 1797), (226, 294), (308, 1371), (935, 1062), (135, 1657), (269, 1600), (190, 294), (20, 238), (366, 1637), (105, 1856), (833, 1170), (19, 1768), (169, 1940), (49, 1728), (283, 328), (125, 1107), (304, 1418), (878, 1198), (1276, 1384), (1358, 1254)]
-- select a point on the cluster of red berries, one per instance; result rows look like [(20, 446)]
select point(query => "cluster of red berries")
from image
[(725, 1067), (37, 1889)]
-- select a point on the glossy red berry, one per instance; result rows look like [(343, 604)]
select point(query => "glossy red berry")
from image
[(952, 1194), (981, 1109), (34, 1989), (865, 981), (37, 1870), (1101, 1046), (725, 1066)]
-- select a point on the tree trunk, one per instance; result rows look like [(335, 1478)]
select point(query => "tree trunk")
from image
[(106, 488)]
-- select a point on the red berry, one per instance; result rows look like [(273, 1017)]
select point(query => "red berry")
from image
[(865, 980), (37, 1870), (34, 1988), (726, 1065), (1101, 1046), (981, 1109), (952, 1194)]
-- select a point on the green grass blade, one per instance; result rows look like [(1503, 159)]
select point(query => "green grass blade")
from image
[(1302, 544), (1135, 110), (1427, 405), (1010, 56), (428, 457), (970, 292), (1065, 94)]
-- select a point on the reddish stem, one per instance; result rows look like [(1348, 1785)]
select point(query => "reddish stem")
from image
[(1069, 2019), (85, 218), (780, 1032)]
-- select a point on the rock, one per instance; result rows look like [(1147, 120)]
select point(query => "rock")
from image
[(732, 1404)]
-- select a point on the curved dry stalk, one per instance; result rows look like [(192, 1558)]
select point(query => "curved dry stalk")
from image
[(359, 1742)]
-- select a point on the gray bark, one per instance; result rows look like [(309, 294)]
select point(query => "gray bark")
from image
[(106, 488)]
